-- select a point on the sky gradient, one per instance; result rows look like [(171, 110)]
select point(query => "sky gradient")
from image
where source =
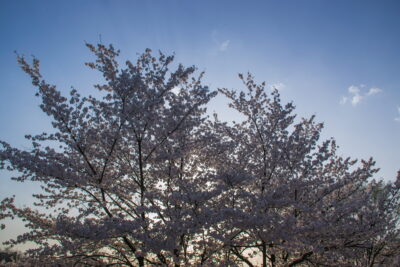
[(339, 60)]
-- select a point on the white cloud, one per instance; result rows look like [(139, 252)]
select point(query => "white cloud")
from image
[(224, 45), (221, 45), (374, 91), (277, 86), (356, 99), (356, 96), (353, 89), (398, 116)]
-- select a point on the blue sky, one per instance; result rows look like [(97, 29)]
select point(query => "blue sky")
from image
[(337, 59)]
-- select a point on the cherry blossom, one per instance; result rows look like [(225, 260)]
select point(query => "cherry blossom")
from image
[(137, 174)]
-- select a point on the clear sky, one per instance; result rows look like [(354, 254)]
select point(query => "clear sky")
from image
[(337, 59)]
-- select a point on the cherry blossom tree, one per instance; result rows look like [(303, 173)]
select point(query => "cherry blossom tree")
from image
[(290, 200), (122, 176), (138, 175)]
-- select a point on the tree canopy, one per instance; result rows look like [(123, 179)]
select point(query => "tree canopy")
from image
[(139, 175)]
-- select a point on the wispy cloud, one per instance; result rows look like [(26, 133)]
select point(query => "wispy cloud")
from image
[(224, 45), (374, 91), (354, 90), (356, 96), (356, 99), (398, 115), (277, 86), (221, 45)]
